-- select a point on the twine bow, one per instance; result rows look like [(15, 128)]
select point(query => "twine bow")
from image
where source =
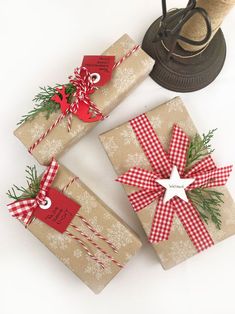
[(205, 174), (81, 105), (24, 209)]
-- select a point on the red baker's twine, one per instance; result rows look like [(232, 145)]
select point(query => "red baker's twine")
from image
[(62, 115), (87, 223), (68, 184), (88, 238), (127, 55), (41, 138), (96, 232), (85, 248), (96, 245)]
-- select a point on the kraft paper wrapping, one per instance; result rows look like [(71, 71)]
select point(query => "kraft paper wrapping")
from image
[(104, 220), (124, 152), (195, 28), (125, 77)]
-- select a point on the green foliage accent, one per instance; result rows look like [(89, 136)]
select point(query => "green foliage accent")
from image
[(200, 147), (43, 102), (207, 202), (33, 186)]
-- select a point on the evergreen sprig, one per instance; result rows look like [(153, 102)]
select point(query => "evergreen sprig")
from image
[(200, 147), (33, 186), (208, 203), (43, 102)]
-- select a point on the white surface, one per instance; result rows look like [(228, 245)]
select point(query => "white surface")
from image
[(41, 43)]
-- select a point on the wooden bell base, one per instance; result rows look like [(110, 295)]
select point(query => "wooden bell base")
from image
[(190, 71)]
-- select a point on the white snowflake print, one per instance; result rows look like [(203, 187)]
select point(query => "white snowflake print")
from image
[(174, 106), (36, 131), (135, 160), (119, 235), (107, 216), (164, 258), (123, 78), (80, 129), (110, 146), (94, 268), (66, 261), (156, 122), (145, 63), (177, 225), (181, 250), (105, 91), (149, 212), (187, 126), (127, 45), (50, 148), (64, 123), (216, 234), (58, 241), (128, 256), (129, 136), (77, 253), (93, 222), (87, 201)]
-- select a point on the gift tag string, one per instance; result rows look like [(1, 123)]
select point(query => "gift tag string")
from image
[(95, 232)]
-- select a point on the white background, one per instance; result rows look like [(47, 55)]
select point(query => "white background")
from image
[(41, 43)]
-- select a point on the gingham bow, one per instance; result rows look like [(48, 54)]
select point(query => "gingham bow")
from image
[(24, 209), (205, 173)]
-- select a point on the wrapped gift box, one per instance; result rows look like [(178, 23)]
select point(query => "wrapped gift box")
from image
[(125, 77), (103, 220), (125, 152)]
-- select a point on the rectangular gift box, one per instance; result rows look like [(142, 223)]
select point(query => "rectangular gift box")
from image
[(125, 152), (103, 220), (125, 77)]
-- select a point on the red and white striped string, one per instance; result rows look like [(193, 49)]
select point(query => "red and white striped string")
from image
[(96, 245), (85, 248), (127, 55), (69, 112), (41, 138), (96, 233)]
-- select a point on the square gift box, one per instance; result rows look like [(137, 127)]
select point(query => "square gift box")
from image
[(125, 77), (95, 235), (125, 151)]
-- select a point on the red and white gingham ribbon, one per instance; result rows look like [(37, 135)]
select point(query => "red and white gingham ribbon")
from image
[(24, 209), (205, 173), (82, 106)]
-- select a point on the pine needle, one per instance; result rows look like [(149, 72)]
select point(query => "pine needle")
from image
[(200, 147), (208, 203), (33, 185), (43, 102)]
